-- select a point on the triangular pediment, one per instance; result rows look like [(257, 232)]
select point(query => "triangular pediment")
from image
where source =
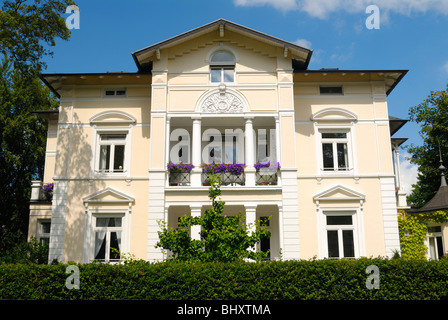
[(221, 30), (339, 193), (109, 195)]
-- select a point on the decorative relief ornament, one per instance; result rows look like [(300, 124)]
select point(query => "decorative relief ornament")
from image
[(222, 102)]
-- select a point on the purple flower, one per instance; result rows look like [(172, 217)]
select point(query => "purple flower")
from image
[(267, 164), (179, 167)]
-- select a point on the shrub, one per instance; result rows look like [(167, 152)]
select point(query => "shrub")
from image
[(399, 279)]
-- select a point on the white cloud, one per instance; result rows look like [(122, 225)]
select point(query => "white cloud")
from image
[(322, 8), (282, 5), (445, 67), (303, 43), (408, 173)]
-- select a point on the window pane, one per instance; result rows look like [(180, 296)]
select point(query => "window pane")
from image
[(339, 220), (100, 245), (222, 56), (349, 246), (121, 92), (327, 151), (119, 158), (342, 156), (104, 158), (333, 246), (215, 75), (228, 75), (331, 90), (334, 135), (46, 227), (115, 244), (113, 137)]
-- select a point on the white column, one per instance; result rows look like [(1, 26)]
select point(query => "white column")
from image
[(277, 139), (196, 230), (167, 146), (280, 227), (251, 210), (36, 187), (249, 152), (196, 153)]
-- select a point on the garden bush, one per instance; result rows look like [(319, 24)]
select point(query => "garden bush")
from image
[(399, 279)]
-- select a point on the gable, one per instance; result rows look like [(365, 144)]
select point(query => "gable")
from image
[(225, 31)]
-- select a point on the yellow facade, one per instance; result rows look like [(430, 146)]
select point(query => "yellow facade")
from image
[(273, 95)]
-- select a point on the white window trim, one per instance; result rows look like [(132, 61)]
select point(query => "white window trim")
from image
[(90, 227), (97, 132), (357, 227), (351, 149), (40, 234)]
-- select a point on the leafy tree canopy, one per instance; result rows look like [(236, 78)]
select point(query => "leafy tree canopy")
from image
[(28, 30), (432, 115)]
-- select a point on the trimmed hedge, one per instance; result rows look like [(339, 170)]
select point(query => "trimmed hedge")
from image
[(399, 279)]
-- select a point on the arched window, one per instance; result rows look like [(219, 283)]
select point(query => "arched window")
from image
[(222, 67)]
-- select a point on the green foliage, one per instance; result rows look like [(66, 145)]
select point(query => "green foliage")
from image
[(432, 115), (413, 230), (222, 238), (27, 30), (26, 252), (399, 279)]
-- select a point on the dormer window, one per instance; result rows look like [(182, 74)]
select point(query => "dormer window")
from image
[(222, 67)]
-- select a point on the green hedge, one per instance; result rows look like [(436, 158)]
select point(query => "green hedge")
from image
[(317, 279)]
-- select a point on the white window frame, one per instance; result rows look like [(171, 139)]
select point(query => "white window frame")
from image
[(434, 236), (90, 227), (127, 151), (222, 65), (350, 149), (356, 226), (40, 232)]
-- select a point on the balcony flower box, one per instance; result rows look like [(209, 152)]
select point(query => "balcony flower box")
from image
[(179, 173), (47, 191), (230, 173), (266, 173)]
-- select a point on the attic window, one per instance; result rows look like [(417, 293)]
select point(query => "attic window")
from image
[(331, 90), (222, 67), (115, 92)]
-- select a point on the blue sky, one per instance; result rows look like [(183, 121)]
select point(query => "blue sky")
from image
[(412, 36)]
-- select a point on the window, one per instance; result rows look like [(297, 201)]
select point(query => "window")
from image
[(340, 236), (115, 92), (43, 231), (335, 153), (222, 67), (435, 243), (107, 235), (111, 157), (331, 90)]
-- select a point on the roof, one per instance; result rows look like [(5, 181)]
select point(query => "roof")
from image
[(144, 57), (390, 77), (395, 124), (55, 81)]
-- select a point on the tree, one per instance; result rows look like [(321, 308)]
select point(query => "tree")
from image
[(432, 115), (222, 238), (28, 29)]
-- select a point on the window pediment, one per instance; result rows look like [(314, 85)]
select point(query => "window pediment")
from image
[(109, 195), (222, 100), (112, 117), (339, 193), (334, 114)]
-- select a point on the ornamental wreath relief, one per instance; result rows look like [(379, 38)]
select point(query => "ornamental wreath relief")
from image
[(222, 102)]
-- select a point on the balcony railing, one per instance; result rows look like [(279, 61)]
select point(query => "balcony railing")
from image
[(179, 179), (266, 178), (227, 179)]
